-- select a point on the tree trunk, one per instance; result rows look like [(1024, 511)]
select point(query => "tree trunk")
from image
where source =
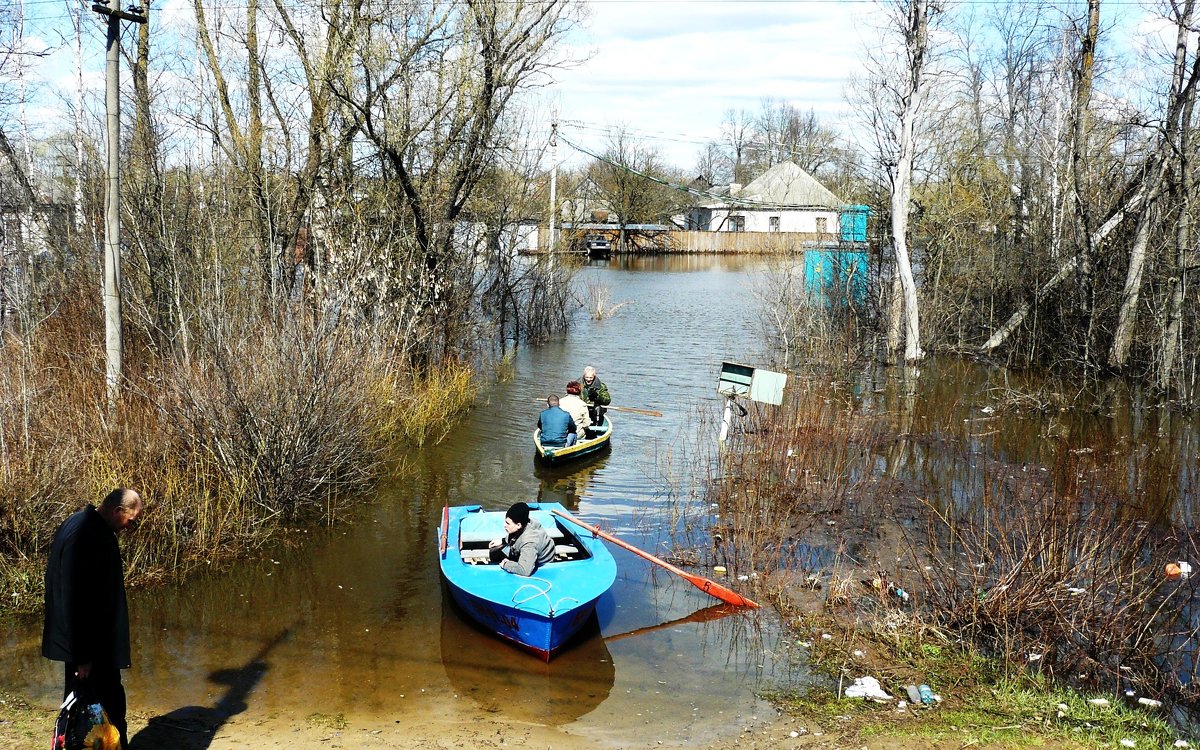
[(1179, 103), (1064, 272), (1184, 252), (1079, 152), (916, 35)]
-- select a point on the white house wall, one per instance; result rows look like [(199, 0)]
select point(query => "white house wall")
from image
[(760, 221)]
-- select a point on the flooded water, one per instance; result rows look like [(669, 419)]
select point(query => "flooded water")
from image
[(355, 621)]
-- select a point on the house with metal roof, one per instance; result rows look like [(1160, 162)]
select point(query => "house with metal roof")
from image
[(784, 198)]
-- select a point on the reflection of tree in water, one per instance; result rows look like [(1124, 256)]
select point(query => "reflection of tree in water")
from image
[(194, 727)]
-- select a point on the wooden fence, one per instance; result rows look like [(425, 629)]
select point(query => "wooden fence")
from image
[(747, 243)]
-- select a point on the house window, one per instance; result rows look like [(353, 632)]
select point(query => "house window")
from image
[(822, 225), (773, 223), (737, 223)]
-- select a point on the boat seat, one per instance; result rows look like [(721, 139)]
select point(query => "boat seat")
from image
[(475, 556), (564, 551), (486, 526)]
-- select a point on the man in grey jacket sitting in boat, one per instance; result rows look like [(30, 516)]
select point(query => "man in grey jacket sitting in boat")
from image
[(525, 546)]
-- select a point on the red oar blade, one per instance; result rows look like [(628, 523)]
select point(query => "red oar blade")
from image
[(712, 588)]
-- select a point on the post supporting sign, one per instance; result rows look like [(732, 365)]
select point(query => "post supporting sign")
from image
[(738, 380)]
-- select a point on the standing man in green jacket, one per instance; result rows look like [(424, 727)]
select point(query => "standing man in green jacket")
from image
[(595, 394)]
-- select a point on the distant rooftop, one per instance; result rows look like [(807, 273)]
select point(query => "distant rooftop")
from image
[(783, 185)]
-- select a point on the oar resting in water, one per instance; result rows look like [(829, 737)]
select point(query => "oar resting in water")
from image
[(712, 588), (629, 409)]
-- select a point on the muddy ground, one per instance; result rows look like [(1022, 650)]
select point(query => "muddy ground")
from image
[(23, 726)]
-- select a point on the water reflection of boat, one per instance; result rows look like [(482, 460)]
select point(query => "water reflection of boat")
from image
[(598, 440), (506, 681), (539, 613)]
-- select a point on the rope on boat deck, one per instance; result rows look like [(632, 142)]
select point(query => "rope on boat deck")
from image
[(541, 592), (537, 592)]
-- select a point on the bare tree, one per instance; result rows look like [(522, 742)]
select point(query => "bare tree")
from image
[(625, 179), (907, 96)]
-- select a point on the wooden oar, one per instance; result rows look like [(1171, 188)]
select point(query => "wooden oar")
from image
[(445, 530), (630, 409), (712, 588)]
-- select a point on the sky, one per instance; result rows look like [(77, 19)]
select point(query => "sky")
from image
[(668, 70)]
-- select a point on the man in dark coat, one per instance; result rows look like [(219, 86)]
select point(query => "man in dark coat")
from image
[(87, 618)]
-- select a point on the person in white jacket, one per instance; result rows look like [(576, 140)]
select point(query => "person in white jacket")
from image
[(577, 408)]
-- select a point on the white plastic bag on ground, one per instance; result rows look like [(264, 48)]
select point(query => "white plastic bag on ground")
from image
[(867, 687)]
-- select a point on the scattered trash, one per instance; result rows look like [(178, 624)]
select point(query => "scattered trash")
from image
[(901, 705), (1101, 702), (926, 694), (898, 592), (826, 637), (1149, 702), (1075, 590), (1063, 707), (914, 695), (719, 569), (1128, 743), (858, 654), (793, 734), (1178, 570), (867, 687), (1034, 657), (743, 578), (1182, 743)]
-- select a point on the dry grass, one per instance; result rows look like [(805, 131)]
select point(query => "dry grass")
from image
[(271, 421), (1055, 571)]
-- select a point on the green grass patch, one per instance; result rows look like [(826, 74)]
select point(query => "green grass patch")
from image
[(985, 702)]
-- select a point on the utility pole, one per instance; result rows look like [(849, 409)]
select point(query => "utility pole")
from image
[(553, 234), (112, 195)]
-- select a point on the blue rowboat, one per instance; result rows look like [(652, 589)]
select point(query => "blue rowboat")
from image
[(539, 613), (598, 437)]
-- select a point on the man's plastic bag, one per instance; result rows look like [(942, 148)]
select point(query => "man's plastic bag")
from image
[(84, 726)]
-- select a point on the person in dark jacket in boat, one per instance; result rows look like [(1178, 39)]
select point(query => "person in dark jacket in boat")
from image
[(557, 426), (525, 546), (87, 619), (595, 394)]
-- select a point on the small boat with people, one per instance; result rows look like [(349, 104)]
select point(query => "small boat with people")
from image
[(539, 613), (596, 438)]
